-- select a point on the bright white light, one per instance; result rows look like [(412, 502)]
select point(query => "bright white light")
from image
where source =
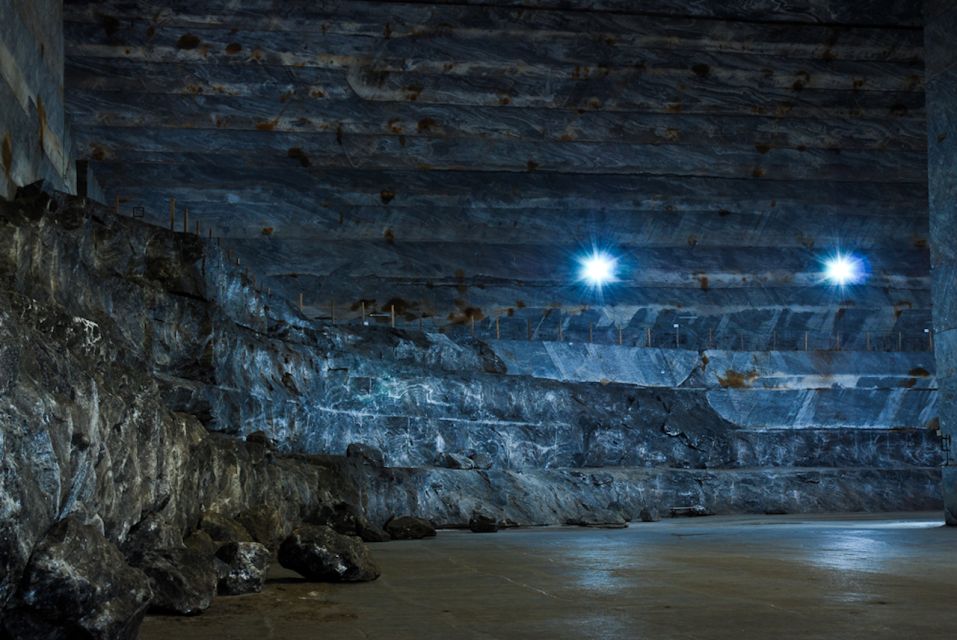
[(598, 269), (843, 270)]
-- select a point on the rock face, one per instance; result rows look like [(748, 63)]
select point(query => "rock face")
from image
[(322, 555), (87, 430), (244, 566), (183, 580), (77, 585), (123, 345), (409, 528)]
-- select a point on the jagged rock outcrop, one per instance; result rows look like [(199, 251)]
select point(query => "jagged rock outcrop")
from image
[(87, 435)]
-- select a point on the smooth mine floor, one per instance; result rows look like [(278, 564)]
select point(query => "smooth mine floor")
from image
[(720, 577)]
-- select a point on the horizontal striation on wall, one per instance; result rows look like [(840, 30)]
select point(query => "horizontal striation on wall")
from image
[(399, 152)]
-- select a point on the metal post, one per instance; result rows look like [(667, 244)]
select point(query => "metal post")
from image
[(185, 219), (498, 330), (677, 336), (172, 214), (805, 340), (619, 336), (300, 302), (363, 312), (393, 316)]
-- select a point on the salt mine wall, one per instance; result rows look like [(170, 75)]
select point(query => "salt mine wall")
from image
[(34, 140), (942, 155), (450, 160)]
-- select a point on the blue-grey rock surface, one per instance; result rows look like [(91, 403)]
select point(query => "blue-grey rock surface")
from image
[(940, 38)]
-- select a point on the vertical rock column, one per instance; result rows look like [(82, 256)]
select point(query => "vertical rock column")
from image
[(940, 42)]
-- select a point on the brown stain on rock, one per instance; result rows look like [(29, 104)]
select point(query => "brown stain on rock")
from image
[(704, 282), (267, 125), (297, 153), (97, 152), (188, 41), (919, 372), (901, 306), (531, 165), (233, 48), (41, 121), (704, 362), (762, 148), (426, 125), (386, 196), (389, 236), (267, 231), (466, 316), (737, 380), (758, 172), (7, 154)]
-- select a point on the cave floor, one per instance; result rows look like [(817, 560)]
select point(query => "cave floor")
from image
[(885, 576)]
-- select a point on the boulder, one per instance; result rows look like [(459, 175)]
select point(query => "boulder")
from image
[(320, 554), (183, 580), (152, 532), (366, 453), (694, 511), (78, 585), (599, 520), (483, 523), (371, 533), (222, 528), (344, 518), (649, 514), (243, 568), (409, 528), (201, 542), (264, 524)]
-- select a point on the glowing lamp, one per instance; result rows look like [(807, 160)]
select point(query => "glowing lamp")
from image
[(598, 269), (841, 270)]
